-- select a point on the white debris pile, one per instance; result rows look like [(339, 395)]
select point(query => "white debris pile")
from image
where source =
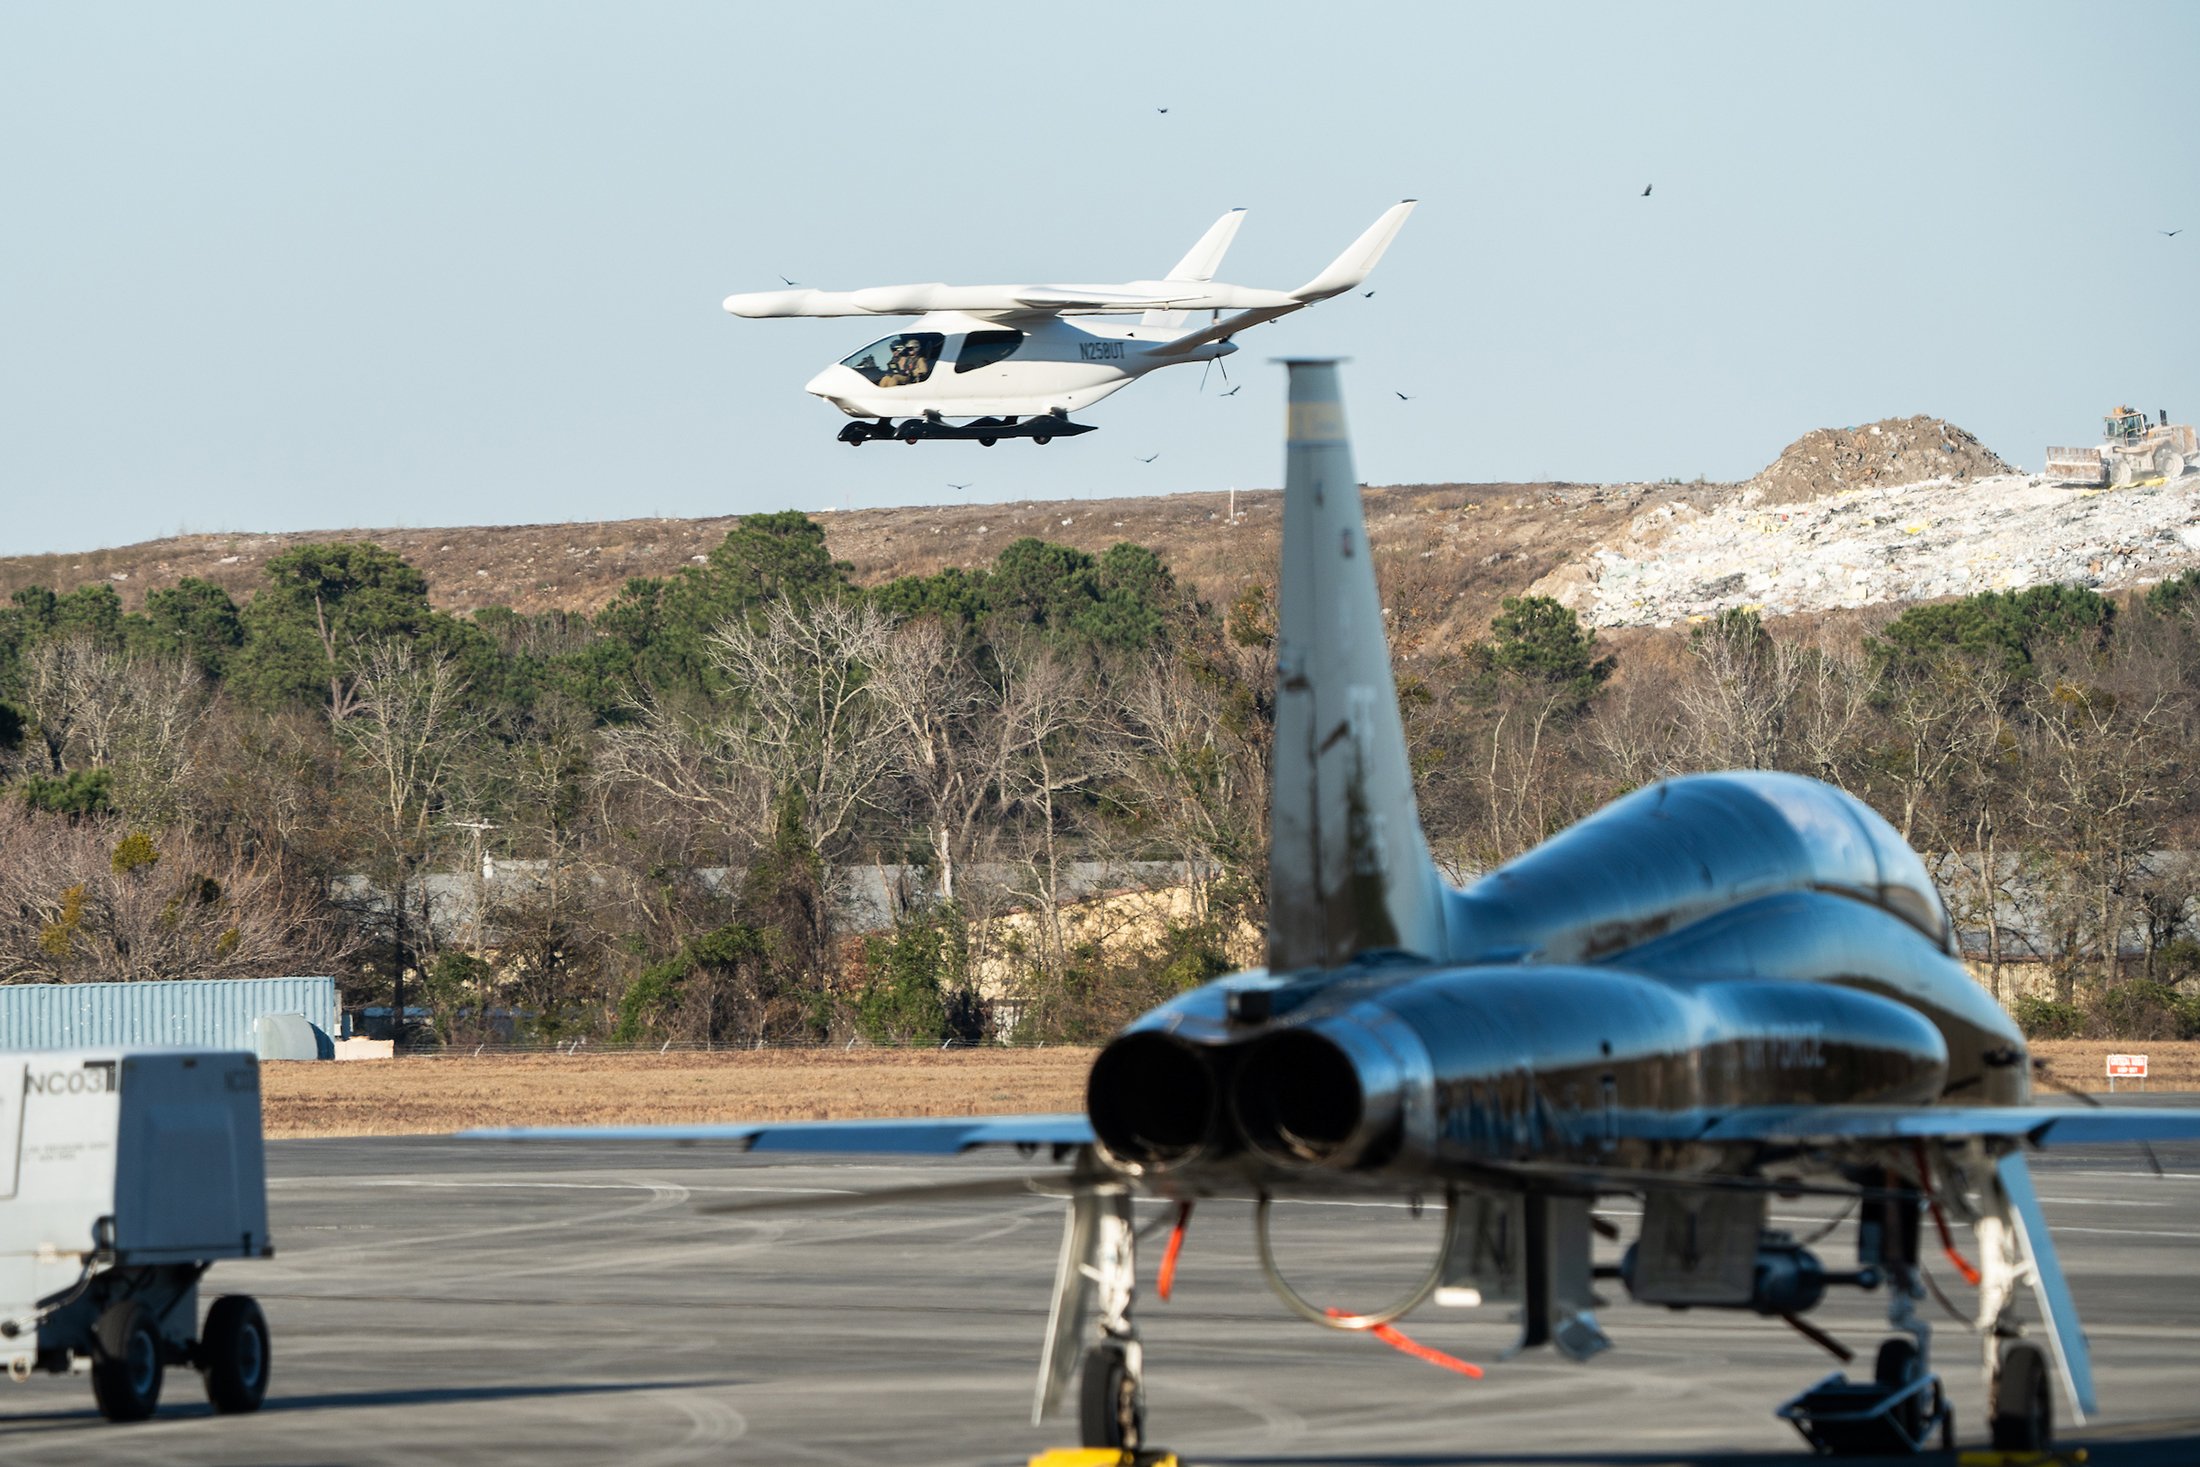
[(1860, 547)]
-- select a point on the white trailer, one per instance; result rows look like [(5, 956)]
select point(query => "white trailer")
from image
[(124, 1175)]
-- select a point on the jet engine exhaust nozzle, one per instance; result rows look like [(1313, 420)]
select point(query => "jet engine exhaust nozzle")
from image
[(1327, 1095), (1152, 1100)]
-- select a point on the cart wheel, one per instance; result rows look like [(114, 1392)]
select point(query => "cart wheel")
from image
[(234, 1355), (2023, 1418), (1110, 1411), (1898, 1367), (987, 442), (1042, 439), (126, 1363)]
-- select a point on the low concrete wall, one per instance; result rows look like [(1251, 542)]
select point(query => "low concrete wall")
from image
[(365, 1049)]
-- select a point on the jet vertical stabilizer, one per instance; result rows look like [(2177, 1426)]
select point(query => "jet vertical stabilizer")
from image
[(1348, 869)]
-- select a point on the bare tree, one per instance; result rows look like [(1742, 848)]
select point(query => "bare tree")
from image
[(93, 900), (408, 722), (948, 733), (1198, 785), (1521, 781), (805, 719), (1835, 686), (134, 717), (2095, 794), (1736, 708), (1058, 748)]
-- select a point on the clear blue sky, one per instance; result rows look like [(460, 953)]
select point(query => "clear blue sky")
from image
[(286, 266)]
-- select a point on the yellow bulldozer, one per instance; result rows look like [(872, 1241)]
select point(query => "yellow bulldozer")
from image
[(2132, 450)]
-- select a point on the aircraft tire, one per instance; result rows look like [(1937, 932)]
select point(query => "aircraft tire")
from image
[(1042, 439), (2020, 1413), (1111, 1412), (126, 1362), (1900, 1365), (233, 1354)]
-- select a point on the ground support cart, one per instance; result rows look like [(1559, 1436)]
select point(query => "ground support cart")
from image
[(124, 1176)]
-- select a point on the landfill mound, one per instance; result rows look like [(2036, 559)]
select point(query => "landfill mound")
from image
[(1872, 546), (1890, 451)]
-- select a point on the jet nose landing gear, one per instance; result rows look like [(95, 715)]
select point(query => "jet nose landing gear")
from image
[(1875, 1418), (1902, 1407)]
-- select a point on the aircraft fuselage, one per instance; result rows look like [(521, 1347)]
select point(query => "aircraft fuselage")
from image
[(1685, 953), (957, 366)]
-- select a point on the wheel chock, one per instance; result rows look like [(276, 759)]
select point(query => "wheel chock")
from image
[(1987, 1457), (1105, 1457)]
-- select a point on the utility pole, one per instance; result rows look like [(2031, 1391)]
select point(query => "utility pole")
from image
[(478, 828)]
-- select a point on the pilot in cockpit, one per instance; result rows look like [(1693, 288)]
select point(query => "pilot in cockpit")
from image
[(907, 364)]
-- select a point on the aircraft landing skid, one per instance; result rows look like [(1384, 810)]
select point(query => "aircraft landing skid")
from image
[(1042, 429)]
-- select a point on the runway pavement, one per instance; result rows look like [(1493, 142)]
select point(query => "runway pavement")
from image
[(438, 1301)]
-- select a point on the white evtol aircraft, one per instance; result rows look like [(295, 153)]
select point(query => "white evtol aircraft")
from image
[(1005, 360)]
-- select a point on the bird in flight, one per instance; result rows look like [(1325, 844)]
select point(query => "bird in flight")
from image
[(1401, 396), (958, 486), (1646, 190), (1233, 392), (1163, 110), (790, 282), (2171, 233), (1368, 294), (1149, 458)]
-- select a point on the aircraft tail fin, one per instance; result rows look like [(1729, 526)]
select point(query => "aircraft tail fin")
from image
[(1348, 868), (1199, 263), (1359, 258), (1205, 258)]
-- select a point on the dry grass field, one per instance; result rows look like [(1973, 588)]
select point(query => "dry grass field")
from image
[(429, 1096), (2172, 1064)]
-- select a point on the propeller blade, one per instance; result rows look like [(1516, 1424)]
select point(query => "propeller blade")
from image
[(1049, 1184)]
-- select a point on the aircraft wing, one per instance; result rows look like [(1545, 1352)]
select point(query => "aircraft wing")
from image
[(1007, 300), (925, 1136), (1196, 293), (2039, 1125)]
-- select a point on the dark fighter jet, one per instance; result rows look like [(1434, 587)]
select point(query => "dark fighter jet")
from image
[(1717, 989)]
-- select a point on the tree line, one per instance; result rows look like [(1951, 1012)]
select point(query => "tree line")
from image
[(668, 790)]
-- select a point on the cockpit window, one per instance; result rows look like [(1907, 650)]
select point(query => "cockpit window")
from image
[(899, 361), (984, 348)]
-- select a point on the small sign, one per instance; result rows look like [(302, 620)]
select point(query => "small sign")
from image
[(2127, 1066)]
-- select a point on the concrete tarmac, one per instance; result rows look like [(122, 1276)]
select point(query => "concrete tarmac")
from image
[(439, 1301)]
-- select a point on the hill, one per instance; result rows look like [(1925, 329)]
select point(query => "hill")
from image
[(1451, 551), (1881, 514)]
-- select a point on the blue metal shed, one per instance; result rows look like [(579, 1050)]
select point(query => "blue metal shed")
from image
[(199, 1013)]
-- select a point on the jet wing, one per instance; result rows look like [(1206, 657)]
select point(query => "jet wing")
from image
[(2039, 1125), (947, 1136)]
